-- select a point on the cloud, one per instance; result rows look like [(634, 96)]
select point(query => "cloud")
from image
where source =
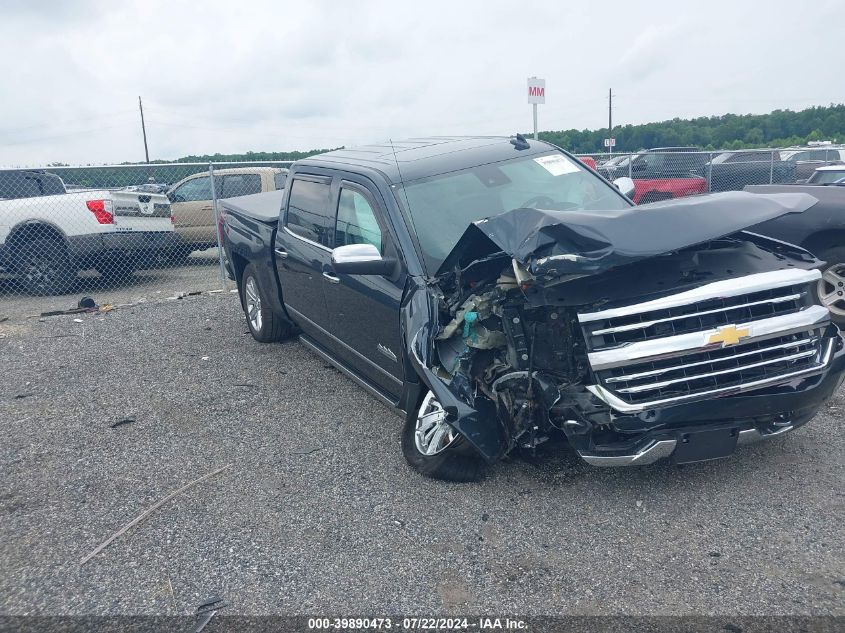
[(264, 75)]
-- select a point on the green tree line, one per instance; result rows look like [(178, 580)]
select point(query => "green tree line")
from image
[(780, 128)]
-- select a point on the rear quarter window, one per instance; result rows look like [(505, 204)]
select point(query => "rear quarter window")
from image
[(16, 184), (280, 180), (308, 213)]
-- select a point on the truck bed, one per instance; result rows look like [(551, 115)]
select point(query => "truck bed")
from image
[(263, 207), (249, 230)]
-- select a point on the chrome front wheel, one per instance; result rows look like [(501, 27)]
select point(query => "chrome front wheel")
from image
[(831, 289), (432, 434)]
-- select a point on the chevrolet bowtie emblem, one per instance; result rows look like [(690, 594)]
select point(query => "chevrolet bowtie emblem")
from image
[(729, 335)]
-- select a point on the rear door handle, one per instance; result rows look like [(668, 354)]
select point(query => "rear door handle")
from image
[(332, 278), (281, 254)]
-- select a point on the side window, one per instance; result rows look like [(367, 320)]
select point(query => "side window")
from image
[(356, 221), (308, 211), (198, 189), (280, 179), (240, 185)]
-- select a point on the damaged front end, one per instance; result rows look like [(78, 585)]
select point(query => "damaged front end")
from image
[(660, 330)]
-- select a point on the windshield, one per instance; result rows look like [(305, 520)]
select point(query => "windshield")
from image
[(442, 207), (827, 176)]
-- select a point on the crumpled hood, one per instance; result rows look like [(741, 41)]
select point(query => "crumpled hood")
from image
[(557, 243)]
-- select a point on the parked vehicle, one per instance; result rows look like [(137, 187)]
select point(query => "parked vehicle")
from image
[(807, 159), (731, 171), (498, 293), (662, 173), (191, 199), (820, 230), (828, 175), (48, 235)]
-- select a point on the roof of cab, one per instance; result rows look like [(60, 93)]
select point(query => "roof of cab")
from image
[(416, 158)]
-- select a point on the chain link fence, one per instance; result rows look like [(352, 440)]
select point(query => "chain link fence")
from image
[(117, 233), (678, 172), (121, 233)]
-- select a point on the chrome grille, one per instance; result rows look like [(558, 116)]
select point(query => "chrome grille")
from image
[(702, 315), (714, 340)]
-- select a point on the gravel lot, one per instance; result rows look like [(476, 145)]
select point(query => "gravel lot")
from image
[(319, 513)]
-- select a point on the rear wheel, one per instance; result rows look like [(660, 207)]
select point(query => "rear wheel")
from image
[(45, 267), (830, 289), (264, 325), (434, 448)]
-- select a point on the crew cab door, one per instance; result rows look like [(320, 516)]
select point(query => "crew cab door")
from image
[(365, 308), (302, 253)]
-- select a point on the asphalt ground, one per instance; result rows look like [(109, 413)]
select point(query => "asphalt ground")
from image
[(319, 513)]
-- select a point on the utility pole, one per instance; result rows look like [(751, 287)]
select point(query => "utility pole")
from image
[(144, 130), (610, 119)]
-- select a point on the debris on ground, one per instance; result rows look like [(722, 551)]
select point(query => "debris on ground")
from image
[(3, 317), (85, 305), (207, 609), (307, 451), (182, 295), (122, 422), (148, 512)]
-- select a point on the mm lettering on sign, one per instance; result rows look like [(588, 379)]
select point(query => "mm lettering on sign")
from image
[(536, 90)]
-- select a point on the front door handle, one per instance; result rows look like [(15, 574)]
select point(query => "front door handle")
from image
[(332, 278), (281, 254)]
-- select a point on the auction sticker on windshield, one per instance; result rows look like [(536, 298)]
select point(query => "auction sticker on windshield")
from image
[(557, 164)]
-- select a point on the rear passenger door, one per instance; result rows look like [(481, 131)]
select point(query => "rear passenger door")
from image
[(365, 308), (303, 252)]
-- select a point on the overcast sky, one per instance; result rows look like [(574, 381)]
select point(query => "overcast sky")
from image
[(271, 76)]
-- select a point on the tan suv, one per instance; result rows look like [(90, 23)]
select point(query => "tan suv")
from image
[(190, 200)]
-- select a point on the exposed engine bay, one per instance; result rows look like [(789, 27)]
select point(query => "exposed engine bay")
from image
[(512, 344)]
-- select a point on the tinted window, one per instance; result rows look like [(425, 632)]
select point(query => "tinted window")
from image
[(195, 190), (356, 221), (308, 211), (240, 185), (751, 157), (280, 179), (17, 184)]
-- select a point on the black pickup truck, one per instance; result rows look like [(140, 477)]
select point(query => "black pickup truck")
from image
[(820, 230), (498, 293)]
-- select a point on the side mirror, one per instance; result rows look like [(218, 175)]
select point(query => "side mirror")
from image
[(625, 185), (360, 259)]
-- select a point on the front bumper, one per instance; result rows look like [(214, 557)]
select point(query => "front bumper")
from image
[(704, 430)]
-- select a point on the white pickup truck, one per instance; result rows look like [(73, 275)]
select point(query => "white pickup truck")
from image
[(47, 235)]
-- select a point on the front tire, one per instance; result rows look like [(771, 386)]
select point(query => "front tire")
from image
[(434, 449), (830, 290), (264, 325)]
